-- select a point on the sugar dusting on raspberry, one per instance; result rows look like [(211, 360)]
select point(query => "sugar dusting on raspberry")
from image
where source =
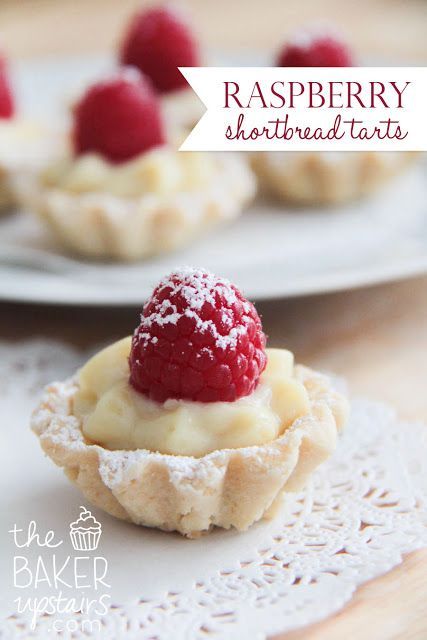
[(198, 288), (199, 339)]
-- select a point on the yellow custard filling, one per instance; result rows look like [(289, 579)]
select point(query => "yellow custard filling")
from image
[(159, 171), (116, 416), (24, 141)]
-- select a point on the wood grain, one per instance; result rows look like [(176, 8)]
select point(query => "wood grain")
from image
[(392, 607), (376, 338)]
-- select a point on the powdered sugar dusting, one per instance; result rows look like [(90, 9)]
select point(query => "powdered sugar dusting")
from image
[(198, 287)]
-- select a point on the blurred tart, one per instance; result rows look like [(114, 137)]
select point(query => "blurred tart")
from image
[(125, 192), (191, 423), (25, 145), (311, 178), (157, 41), (326, 177), (7, 110)]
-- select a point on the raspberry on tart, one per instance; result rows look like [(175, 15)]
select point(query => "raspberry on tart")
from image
[(157, 42), (118, 118), (7, 106), (199, 339), (312, 49)]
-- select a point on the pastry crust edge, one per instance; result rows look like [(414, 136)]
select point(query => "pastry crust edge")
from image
[(101, 225), (309, 178), (226, 488)]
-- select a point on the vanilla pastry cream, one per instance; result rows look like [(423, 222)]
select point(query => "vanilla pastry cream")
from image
[(24, 143), (25, 147), (116, 416), (160, 171)]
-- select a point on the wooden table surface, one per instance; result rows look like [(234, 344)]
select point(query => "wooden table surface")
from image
[(376, 337)]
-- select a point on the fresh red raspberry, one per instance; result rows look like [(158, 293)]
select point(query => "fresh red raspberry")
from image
[(199, 339), (315, 50), (7, 107), (157, 42), (118, 118)]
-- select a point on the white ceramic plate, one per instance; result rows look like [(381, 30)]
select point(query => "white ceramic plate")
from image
[(270, 251)]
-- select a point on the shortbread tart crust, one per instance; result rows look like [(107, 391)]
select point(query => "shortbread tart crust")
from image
[(104, 225), (308, 178), (226, 488)]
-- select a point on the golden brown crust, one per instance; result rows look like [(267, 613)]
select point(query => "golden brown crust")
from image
[(309, 178)]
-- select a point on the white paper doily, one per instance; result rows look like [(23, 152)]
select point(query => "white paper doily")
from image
[(362, 510)]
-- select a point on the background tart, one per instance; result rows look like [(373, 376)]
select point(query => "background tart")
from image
[(107, 225), (311, 178)]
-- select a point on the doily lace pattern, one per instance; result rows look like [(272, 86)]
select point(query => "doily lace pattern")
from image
[(362, 510)]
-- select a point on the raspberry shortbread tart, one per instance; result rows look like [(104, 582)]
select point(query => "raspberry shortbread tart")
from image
[(125, 192), (24, 145), (310, 178), (6, 116), (191, 423), (157, 41)]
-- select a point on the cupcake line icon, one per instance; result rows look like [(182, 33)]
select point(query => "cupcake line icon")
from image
[(85, 532)]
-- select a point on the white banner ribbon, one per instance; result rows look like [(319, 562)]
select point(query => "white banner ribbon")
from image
[(311, 109)]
